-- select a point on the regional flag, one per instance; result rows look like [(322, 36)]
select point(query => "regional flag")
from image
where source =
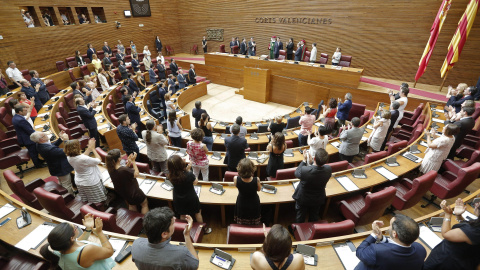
[(434, 32), (460, 37)]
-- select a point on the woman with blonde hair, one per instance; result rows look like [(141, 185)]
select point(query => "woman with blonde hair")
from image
[(380, 129), (92, 85), (97, 63), (146, 51), (141, 81)]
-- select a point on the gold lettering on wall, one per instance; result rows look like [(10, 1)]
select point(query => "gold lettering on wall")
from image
[(293, 20)]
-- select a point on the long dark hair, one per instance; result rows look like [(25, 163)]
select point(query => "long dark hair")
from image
[(278, 244), (203, 119), (150, 125), (176, 167), (279, 141), (172, 117), (111, 159)]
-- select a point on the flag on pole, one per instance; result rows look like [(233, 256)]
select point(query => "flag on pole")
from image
[(434, 32), (460, 37)]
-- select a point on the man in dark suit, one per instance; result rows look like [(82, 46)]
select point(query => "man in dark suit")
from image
[(87, 113), (399, 251), (395, 113), (468, 95), (243, 47), (192, 76), (172, 83), (42, 91), (251, 47), (310, 195), (106, 48), (158, 44), (77, 91), (135, 63), (106, 60), (277, 48), (123, 70), (161, 71), (24, 130), (32, 92), (152, 75), (133, 112), (120, 56), (182, 81), (174, 68), (55, 157), (90, 51), (132, 86), (235, 149), (299, 51), (465, 124), (197, 112), (232, 43)]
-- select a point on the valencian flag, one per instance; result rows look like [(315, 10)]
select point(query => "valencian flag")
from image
[(460, 37), (434, 32)]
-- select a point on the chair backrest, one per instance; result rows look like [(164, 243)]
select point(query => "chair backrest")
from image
[(420, 186), (372, 157), (60, 119), (306, 58), (114, 62), (60, 65), (339, 166), (5, 117), (323, 58), (284, 174), (293, 122), (345, 61), (418, 111), (282, 52), (72, 77), (395, 147), (61, 109), (151, 111), (85, 70), (476, 113), (375, 205), (128, 58), (222, 48), (141, 56), (281, 57), (6, 103), (114, 119), (416, 133), (243, 234), (68, 98), (53, 203), (229, 176), (128, 51), (52, 88), (420, 120), (327, 230), (101, 54), (26, 74), (308, 53), (475, 157), (364, 118), (357, 110), (71, 62), (464, 178), (18, 188), (262, 128), (101, 153), (235, 49), (109, 220)]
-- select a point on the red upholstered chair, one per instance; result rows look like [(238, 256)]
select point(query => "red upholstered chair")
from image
[(409, 137), (7, 105), (100, 55), (222, 48), (72, 77), (128, 58), (323, 58), (409, 192), (68, 98), (284, 174), (121, 221), (229, 176), (71, 62), (6, 118), (52, 89), (68, 115), (357, 110), (289, 143), (101, 153), (75, 134), (415, 113), (23, 260), (114, 119), (194, 49), (364, 210), (26, 74), (8, 138), (196, 233), (74, 125), (25, 192), (86, 59), (169, 50), (395, 147), (243, 234), (453, 181), (339, 166), (281, 57), (369, 158), (408, 129), (13, 155), (128, 50), (60, 65), (67, 207), (84, 70), (114, 62), (140, 56), (322, 229), (345, 61), (471, 156), (364, 118), (306, 58)]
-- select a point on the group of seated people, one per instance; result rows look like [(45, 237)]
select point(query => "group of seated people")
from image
[(48, 21)]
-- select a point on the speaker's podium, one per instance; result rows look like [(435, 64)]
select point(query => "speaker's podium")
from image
[(256, 84)]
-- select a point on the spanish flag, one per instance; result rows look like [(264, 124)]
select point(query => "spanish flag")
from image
[(434, 32), (460, 37)]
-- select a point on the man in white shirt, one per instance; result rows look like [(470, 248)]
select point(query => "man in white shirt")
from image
[(160, 58), (14, 74), (313, 54)]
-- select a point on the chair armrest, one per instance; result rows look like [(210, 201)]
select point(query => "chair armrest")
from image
[(465, 152), (9, 161), (407, 128), (407, 182), (407, 114), (402, 137), (10, 149), (451, 166), (11, 133), (8, 142), (449, 176), (111, 210), (68, 198), (469, 142), (406, 121), (346, 205), (34, 184)]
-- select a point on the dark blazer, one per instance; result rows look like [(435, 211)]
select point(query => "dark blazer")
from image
[(123, 71), (133, 112), (107, 49), (458, 103), (277, 48), (313, 179), (243, 48), (158, 44), (120, 56), (23, 129), (393, 119), (235, 151), (42, 92), (466, 124), (197, 114), (192, 76), (87, 99), (251, 49), (106, 62), (161, 72), (298, 54), (389, 256), (135, 65), (80, 61), (31, 92), (174, 69), (132, 87), (181, 81), (90, 52), (55, 157), (344, 110), (151, 75), (232, 43), (290, 48), (88, 117)]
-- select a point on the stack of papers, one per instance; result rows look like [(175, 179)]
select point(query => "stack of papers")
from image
[(429, 237), (117, 245), (437, 120), (347, 256), (140, 145), (6, 209), (35, 238), (346, 183), (185, 134), (145, 118), (98, 117), (385, 173)]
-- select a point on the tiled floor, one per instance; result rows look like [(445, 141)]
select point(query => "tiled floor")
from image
[(222, 103)]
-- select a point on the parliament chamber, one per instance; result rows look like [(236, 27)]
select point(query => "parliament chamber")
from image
[(382, 51)]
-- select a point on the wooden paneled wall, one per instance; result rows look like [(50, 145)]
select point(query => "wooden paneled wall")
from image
[(40, 47), (387, 38)]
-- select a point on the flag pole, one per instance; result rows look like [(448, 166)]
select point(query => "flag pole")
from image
[(414, 84), (444, 78)]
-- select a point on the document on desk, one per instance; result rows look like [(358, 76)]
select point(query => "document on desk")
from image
[(147, 185), (170, 152), (102, 127), (117, 245), (296, 132), (295, 184), (36, 237), (437, 110), (347, 256), (145, 118), (429, 237), (185, 134), (438, 120), (141, 145), (469, 216), (6, 209), (319, 124), (105, 176), (335, 144), (385, 173), (364, 138), (346, 183)]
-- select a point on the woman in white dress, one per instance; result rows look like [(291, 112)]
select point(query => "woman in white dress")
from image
[(380, 129), (146, 51), (102, 78), (403, 101), (337, 55), (320, 141), (438, 149)]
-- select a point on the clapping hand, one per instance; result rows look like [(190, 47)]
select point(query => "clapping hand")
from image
[(98, 226), (459, 207), (188, 227), (63, 135), (160, 129), (376, 229), (88, 221), (448, 211), (432, 132), (133, 126), (91, 144)]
